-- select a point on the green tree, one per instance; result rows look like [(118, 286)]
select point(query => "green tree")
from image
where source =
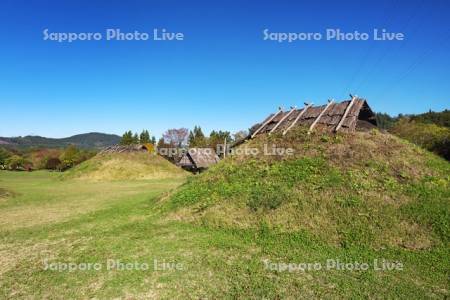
[(70, 157), (218, 138), (4, 155), (191, 138), (127, 138), (427, 135), (135, 139), (153, 141), (197, 138), (16, 162), (439, 118), (385, 121), (144, 137)]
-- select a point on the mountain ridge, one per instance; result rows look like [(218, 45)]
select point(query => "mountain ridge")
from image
[(91, 140)]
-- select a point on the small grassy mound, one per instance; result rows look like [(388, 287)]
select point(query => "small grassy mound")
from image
[(125, 166), (369, 189)]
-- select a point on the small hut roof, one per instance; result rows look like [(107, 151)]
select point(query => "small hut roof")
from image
[(200, 157), (185, 161)]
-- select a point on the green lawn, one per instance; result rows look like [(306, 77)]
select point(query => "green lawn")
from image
[(45, 219)]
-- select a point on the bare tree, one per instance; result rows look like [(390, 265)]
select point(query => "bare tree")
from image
[(240, 135), (176, 137)]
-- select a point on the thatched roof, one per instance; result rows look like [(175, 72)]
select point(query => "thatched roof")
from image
[(199, 158), (337, 116), (125, 148)]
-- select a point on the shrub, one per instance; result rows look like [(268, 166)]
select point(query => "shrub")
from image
[(4, 155), (266, 196), (73, 156), (17, 162), (39, 157), (53, 163), (429, 136)]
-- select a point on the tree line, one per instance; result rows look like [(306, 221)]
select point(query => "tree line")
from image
[(183, 137), (128, 138), (43, 158), (430, 130)]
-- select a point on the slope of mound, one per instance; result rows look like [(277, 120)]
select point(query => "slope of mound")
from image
[(125, 166), (368, 189)]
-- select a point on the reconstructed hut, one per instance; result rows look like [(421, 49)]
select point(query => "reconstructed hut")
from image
[(127, 148), (347, 116), (198, 159)]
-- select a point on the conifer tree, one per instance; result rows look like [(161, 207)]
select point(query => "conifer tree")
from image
[(144, 137), (127, 138)]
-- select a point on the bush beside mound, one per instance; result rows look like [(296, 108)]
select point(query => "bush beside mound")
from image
[(432, 137)]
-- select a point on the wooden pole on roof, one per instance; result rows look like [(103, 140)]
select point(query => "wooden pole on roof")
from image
[(267, 122), (298, 117), (347, 110), (319, 116), (225, 147), (282, 119)]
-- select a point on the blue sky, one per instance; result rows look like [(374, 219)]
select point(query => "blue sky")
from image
[(223, 75)]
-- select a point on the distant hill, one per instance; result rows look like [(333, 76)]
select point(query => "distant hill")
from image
[(93, 140)]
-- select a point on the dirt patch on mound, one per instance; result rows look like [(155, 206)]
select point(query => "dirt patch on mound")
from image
[(4, 193)]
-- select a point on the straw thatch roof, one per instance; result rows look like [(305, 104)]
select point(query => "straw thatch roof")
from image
[(125, 148), (347, 116), (198, 158)]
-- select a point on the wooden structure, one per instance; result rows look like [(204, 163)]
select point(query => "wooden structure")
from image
[(127, 148), (198, 159), (346, 116)]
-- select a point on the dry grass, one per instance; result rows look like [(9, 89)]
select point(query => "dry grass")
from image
[(4, 193)]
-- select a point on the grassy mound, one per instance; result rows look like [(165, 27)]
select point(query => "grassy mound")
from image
[(368, 189), (125, 166)]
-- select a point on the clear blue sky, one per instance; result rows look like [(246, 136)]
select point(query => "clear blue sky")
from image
[(223, 75)]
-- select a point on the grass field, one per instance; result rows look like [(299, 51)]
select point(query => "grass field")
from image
[(47, 220)]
